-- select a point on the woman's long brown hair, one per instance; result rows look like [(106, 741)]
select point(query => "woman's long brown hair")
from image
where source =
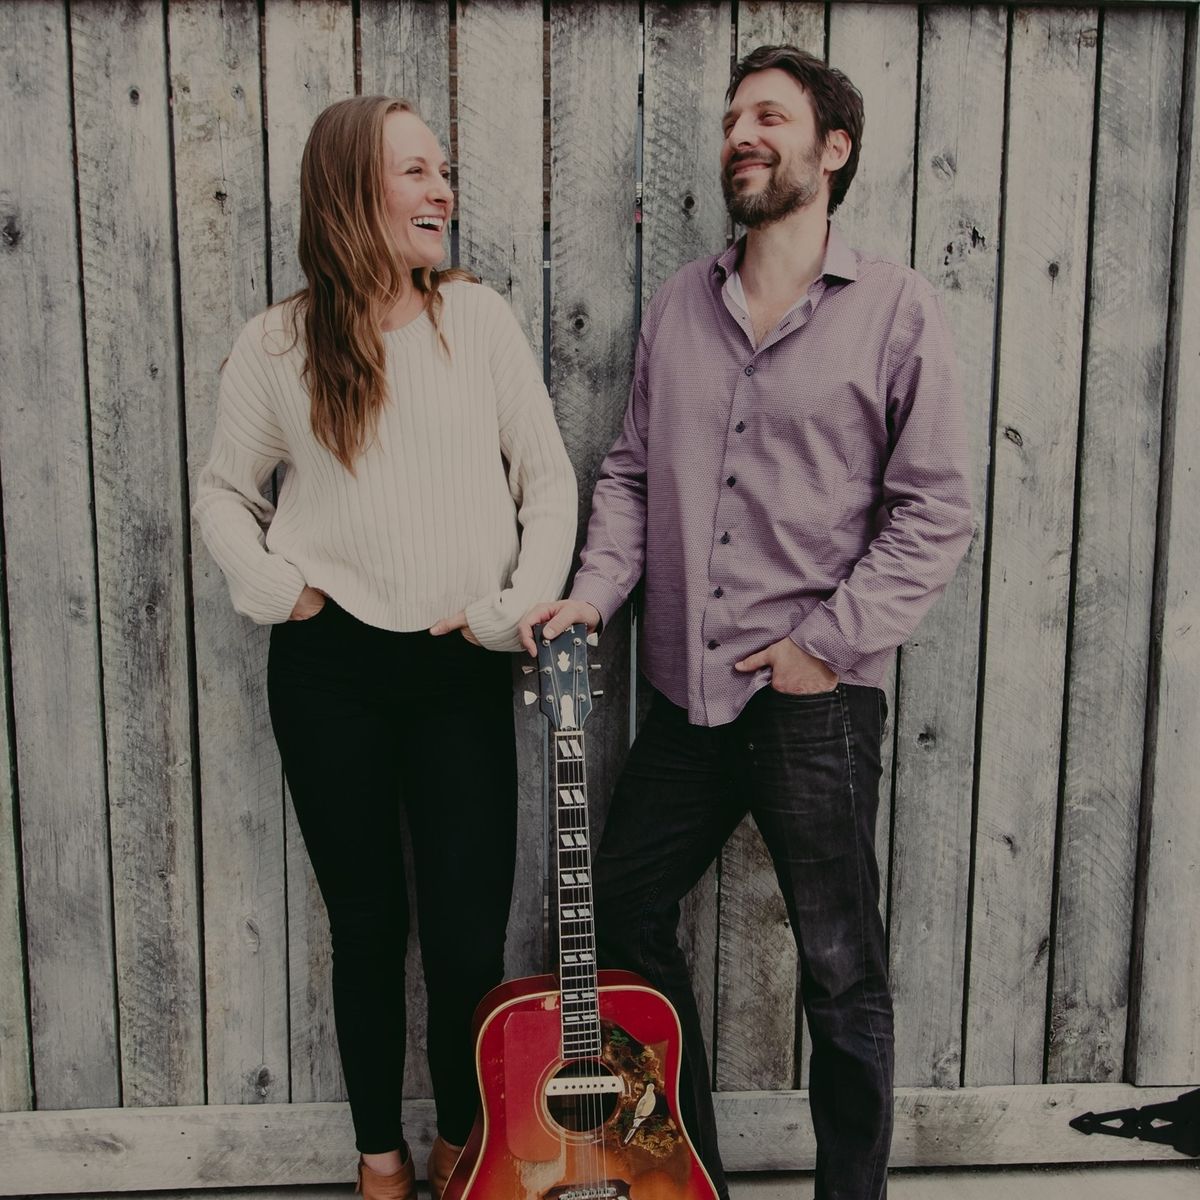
[(355, 273)]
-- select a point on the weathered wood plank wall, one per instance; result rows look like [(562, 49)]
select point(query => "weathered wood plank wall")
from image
[(162, 940), (1165, 1041), (223, 281), (50, 557), (956, 240), (123, 156), (1044, 276), (1137, 149)]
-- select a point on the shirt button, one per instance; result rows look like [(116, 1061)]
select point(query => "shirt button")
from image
[(740, 427), (718, 592), (713, 643), (749, 370), (731, 480), (725, 539)]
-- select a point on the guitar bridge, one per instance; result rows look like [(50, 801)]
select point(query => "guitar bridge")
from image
[(610, 1189)]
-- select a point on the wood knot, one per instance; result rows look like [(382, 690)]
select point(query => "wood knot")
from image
[(1052, 270), (943, 165), (689, 202), (134, 96), (11, 233), (1013, 436)]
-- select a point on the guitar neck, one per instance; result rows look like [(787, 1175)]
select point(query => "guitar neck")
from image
[(576, 930)]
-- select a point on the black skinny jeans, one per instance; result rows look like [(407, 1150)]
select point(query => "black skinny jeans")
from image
[(367, 720), (807, 769)]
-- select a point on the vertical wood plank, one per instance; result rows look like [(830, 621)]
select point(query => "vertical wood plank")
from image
[(500, 239), (500, 152), (756, 1008), (406, 53), (1168, 1034), (593, 302), (686, 69), (1136, 156), (49, 548), (781, 23), (309, 51), (16, 1078), (687, 52), (219, 187), (877, 45), (124, 162), (956, 248), (1051, 94)]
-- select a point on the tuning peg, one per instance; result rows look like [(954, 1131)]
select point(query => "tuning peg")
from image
[(526, 669), (598, 692), (594, 666), (593, 639), (530, 698)]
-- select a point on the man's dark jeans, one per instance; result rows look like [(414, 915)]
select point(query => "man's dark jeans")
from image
[(807, 769)]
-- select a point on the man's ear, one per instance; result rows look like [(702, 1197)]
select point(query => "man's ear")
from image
[(836, 151)]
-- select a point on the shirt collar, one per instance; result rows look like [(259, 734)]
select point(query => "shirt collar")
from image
[(840, 261)]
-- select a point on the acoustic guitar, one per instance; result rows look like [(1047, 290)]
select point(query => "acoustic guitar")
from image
[(579, 1072)]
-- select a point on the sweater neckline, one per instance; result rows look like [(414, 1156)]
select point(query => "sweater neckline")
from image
[(409, 330)]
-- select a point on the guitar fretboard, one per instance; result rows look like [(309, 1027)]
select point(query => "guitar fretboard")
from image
[(576, 931)]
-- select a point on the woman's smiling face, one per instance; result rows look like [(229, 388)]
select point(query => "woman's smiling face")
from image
[(417, 195)]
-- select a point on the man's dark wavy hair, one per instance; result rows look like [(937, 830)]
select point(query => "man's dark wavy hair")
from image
[(837, 103)]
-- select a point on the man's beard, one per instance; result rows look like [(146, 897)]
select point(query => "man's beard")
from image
[(782, 195)]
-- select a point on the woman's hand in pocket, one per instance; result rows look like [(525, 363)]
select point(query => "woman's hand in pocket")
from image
[(450, 624), (309, 603)]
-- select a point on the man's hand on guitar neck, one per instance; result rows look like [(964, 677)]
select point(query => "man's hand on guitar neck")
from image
[(557, 615)]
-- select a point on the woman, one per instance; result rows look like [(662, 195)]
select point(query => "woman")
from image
[(416, 435)]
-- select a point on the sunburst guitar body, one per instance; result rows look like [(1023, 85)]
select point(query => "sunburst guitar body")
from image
[(579, 1071)]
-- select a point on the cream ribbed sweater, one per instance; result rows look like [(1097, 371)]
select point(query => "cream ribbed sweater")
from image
[(467, 449)]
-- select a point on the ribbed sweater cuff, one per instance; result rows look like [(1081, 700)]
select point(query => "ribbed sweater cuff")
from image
[(493, 624), (270, 597)]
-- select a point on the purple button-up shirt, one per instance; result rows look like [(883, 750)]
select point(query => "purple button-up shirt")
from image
[(814, 485)]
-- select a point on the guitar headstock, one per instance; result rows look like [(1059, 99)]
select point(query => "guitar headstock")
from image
[(564, 692)]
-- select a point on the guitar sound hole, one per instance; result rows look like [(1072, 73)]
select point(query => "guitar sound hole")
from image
[(583, 1095)]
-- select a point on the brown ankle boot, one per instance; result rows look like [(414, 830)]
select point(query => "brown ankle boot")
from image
[(442, 1158), (402, 1185)]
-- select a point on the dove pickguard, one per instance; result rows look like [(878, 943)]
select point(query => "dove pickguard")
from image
[(578, 1072)]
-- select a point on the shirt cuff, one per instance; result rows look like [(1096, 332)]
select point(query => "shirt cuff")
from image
[(603, 597), (818, 634)]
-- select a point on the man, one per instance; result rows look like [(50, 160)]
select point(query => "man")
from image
[(791, 481)]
